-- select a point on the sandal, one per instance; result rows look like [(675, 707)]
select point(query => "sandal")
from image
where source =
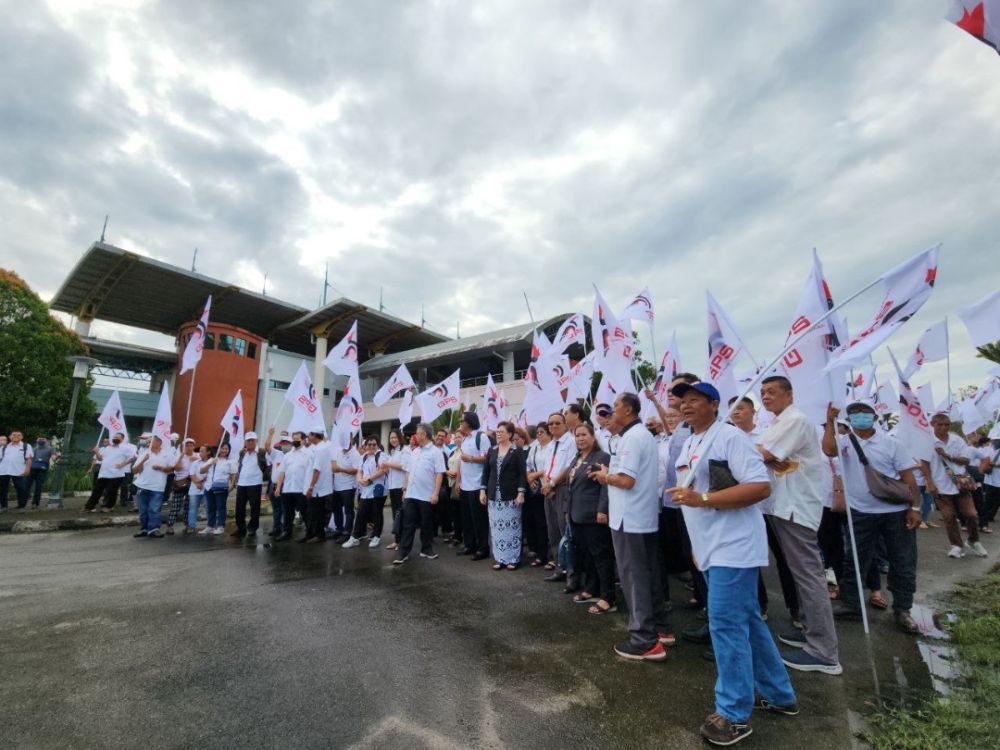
[(498, 566), (582, 597), (878, 601), (536, 563), (550, 566), (512, 566), (392, 546), (597, 609)]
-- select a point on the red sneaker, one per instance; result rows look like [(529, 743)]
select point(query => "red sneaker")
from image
[(629, 651), (667, 639)]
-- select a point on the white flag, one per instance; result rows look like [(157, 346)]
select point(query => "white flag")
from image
[(399, 381), (925, 396), (640, 308), (983, 318), (972, 418), (113, 418), (670, 365), (406, 408), (491, 405), (196, 344), (600, 323), (606, 393), (914, 430), (163, 418), (724, 348), (307, 409), (563, 372), (542, 394), (580, 379), (980, 18), (885, 400), (234, 423), (350, 414), (647, 409), (861, 384), (931, 347), (440, 397), (343, 358), (907, 287), (569, 333)]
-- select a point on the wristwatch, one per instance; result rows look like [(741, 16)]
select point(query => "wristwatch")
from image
[(704, 498), (915, 509)]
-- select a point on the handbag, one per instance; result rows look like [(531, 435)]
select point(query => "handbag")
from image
[(720, 477), (894, 491)]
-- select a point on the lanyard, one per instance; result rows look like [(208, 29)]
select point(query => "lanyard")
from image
[(552, 463)]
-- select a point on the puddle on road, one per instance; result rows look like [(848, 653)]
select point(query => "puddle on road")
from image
[(940, 658)]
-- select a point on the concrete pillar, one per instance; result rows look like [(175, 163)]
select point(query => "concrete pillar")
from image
[(508, 368), (384, 434), (319, 369), (82, 326)]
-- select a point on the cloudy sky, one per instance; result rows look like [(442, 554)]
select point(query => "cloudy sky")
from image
[(460, 153)]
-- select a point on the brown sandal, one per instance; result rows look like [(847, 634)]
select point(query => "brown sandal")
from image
[(597, 609), (878, 601)]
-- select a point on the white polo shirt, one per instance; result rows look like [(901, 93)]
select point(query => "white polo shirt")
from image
[(953, 446), (111, 457), (797, 494), (993, 478), (249, 467), (635, 511), (151, 478), (293, 468), (320, 459), (14, 457), (603, 437), (193, 471), (472, 473), (369, 466), (425, 464), (725, 538), (886, 455), (559, 455), (349, 458), (397, 476)]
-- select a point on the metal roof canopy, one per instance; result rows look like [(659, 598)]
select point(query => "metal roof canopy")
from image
[(123, 356), (112, 284)]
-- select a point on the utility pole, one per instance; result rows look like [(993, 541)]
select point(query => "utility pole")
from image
[(381, 307), (326, 282), (194, 259), (105, 227), (263, 291)]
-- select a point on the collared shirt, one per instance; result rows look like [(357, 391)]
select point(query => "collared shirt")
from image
[(637, 510), (369, 465), (321, 457), (219, 472), (559, 456), (676, 442), (14, 458), (992, 478), (953, 446), (248, 466), (885, 454), (472, 473), (112, 456), (603, 437), (193, 471), (733, 538), (294, 468), (796, 494), (183, 470), (151, 478), (346, 459), (396, 477), (425, 464)]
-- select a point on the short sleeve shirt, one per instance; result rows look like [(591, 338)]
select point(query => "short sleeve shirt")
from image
[(953, 446), (320, 460), (151, 478), (369, 465), (559, 456), (349, 459), (249, 468), (637, 510), (14, 456), (111, 457), (472, 473), (425, 464), (294, 469), (796, 494), (886, 454), (733, 538)]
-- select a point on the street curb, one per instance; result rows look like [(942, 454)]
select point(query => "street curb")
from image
[(66, 524)]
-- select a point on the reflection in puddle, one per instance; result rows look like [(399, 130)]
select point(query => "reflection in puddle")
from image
[(938, 656)]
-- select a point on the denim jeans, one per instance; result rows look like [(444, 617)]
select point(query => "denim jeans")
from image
[(901, 548), (194, 501), (926, 504), (215, 502), (746, 656), (149, 502)]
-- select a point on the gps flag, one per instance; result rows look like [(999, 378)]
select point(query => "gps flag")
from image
[(307, 410), (569, 333), (343, 358), (196, 344), (670, 365), (233, 423), (640, 308), (440, 397), (492, 415), (112, 418), (724, 347), (400, 380), (980, 18), (932, 346), (161, 422)]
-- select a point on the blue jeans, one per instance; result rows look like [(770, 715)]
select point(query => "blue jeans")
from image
[(149, 503), (215, 502), (746, 657), (194, 502), (926, 504)]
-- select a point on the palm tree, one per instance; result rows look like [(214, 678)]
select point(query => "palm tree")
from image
[(990, 351)]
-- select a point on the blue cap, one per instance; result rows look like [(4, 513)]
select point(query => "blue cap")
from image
[(705, 389)]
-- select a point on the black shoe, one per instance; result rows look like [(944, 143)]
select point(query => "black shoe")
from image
[(697, 635), (274, 532), (842, 612), (238, 534), (157, 534), (141, 534), (905, 622), (464, 551), (718, 730), (479, 556), (285, 536), (556, 577)]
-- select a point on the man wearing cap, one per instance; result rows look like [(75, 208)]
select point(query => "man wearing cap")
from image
[(475, 518), (633, 515), (181, 484), (251, 470), (721, 481), (873, 517), (602, 412)]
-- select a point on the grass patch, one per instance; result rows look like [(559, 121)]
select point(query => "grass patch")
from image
[(970, 716)]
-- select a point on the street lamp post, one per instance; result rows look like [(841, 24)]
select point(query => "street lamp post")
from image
[(81, 368)]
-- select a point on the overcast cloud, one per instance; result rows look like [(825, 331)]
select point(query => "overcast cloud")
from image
[(460, 153)]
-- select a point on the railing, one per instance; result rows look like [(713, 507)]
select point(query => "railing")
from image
[(497, 378)]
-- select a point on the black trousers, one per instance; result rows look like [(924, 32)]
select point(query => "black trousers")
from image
[(316, 516), (106, 488), (417, 513), (291, 502), (396, 504), (36, 480), (991, 502), (475, 522), (370, 510), (343, 510), (249, 494), (20, 490), (535, 530), (788, 590), (831, 540), (596, 559), (671, 546)]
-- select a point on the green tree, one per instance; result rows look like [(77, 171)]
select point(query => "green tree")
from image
[(36, 380), (990, 351)]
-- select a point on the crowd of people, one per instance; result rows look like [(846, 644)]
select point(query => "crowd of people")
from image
[(612, 508)]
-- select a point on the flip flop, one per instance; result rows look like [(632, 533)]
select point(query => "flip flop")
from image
[(581, 599), (596, 610)]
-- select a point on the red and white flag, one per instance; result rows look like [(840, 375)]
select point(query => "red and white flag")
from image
[(580, 378), (640, 308), (885, 400), (350, 414), (862, 381), (980, 18), (914, 428), (569, 333), (400, 380), (113, 418), (907, 287), (234, 423), (441, 397), (982, 319), (600, 326), (542, 394), (307, 409), (406, 408), (493, 413), (724, 347), (606, 392), (196, 344), (161, 422), (563, 372), (932, 347), (343, 358)]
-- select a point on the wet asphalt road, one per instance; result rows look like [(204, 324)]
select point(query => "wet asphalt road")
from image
[(111, 642)]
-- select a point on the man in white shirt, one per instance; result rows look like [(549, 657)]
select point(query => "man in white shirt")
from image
[(115, 458), (796, 468), (372, 481), (633, 515), (990, 468), (475, 518), (319, 489), (420, 495), (15, 465), (151, 470), (275, 455), (345, 465), (945, 474), (291, 484), (556, 461), (874, 517), (251, 469)]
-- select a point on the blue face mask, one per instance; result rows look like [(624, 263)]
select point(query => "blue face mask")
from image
[(861, 420)]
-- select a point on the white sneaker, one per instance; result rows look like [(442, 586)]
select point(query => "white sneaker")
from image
[(219, 531), (206, 531), (352, 542), (978, 549), (956, 552), (375, 542)]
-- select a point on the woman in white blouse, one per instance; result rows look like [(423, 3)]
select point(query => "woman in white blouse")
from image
[(219, 476)]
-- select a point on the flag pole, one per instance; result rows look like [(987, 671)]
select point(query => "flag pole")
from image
[(187, 416), (99, 436), (947, 346)]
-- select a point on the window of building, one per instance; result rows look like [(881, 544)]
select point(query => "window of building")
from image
[(209, 342), (225, 342), (326, 391), (241, 347), (252, 350), (279, 385)]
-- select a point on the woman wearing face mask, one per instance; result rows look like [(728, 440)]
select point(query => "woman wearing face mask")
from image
[(504, 482), (218, 473)]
